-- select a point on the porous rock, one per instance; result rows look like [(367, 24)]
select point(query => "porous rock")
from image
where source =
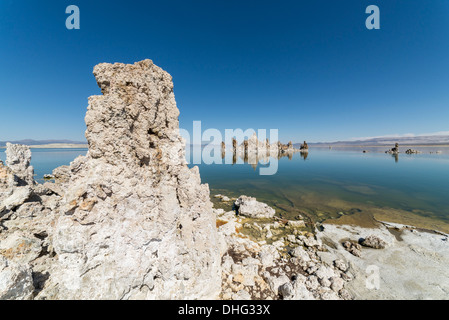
[(18, 159), (135, 221)]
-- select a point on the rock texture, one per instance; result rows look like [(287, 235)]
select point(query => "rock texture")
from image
[(16, 281), (271, 259)]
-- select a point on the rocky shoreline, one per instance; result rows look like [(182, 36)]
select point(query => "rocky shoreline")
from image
[(281, 262)]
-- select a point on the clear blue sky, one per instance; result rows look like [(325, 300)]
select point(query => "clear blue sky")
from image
[(309, 68)]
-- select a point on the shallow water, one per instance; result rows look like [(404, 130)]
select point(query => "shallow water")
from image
[(327, 184)]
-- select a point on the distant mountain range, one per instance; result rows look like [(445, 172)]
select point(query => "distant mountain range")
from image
[(31, 142), (388, 141)]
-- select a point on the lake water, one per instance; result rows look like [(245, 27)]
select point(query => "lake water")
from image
[(338, 183)]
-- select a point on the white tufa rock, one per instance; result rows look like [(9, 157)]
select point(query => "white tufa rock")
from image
[(250, 207)]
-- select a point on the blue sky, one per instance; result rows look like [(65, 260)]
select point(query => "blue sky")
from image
[(309, 68)]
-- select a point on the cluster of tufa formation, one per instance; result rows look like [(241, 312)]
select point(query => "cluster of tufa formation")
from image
[(394, 150), (129, 220), (254, 151), (262, 148)]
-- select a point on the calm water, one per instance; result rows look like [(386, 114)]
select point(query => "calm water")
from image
[(327, 184)]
